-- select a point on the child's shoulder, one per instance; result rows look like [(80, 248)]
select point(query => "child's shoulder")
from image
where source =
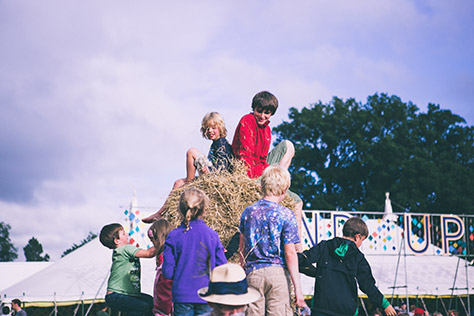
[(221, 142), (248, 118), (125, 250)]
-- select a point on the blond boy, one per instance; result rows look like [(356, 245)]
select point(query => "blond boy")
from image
[(268, 234)]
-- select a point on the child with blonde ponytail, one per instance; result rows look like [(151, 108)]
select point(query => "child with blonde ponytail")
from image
[(191, 251)]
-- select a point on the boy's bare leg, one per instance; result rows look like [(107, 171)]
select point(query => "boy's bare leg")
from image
[(191, 156), (157, 215), (285, 161)]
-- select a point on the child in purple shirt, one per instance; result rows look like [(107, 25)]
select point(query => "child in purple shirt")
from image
[(191, 251)]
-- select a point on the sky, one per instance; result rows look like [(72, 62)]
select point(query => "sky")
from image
[(101, 98)]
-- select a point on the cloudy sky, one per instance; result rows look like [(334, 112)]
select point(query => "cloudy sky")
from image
[(98, 98)]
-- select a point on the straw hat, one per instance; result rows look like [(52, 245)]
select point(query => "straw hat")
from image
[(228, 286)]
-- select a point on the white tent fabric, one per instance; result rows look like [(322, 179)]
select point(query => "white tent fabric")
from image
[(81, 275), (14, 272), (425, 275)]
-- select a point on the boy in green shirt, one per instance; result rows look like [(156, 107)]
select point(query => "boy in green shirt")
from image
[(123, 288)]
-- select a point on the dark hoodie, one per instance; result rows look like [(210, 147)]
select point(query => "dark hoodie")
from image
[(340, 266)]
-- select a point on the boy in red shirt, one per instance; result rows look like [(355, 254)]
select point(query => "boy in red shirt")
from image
[(252, 140)]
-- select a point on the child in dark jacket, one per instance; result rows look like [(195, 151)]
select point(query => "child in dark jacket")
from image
[(340, 266)]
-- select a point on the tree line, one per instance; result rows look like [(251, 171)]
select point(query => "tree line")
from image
[(33, 250), (348, 154)]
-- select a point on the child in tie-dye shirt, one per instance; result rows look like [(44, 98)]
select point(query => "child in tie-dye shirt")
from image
[(268, 234)]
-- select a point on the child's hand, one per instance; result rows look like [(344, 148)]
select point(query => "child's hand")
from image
[(205, 170), (390, 311), (299, 300)]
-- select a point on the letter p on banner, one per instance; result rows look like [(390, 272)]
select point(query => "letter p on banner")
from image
[(451, 235)]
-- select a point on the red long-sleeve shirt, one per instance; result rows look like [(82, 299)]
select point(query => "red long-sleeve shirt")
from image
[(251, 144)]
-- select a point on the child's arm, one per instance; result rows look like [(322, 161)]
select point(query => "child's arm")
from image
[(241, 250), (220, 252), (292, 265), (146, 253), (169, 261), (367, 285), (306, 260)]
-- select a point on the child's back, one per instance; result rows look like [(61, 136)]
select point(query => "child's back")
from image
[(125, 271), (268, 234), (340, 267), (191, 251)]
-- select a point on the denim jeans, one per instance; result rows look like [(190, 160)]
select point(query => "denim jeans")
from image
[(132, 305), (191, 309)]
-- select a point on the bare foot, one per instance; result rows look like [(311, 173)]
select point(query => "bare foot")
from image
[(153, 217)]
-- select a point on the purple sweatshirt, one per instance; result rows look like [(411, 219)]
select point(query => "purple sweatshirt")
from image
[(187, 258)]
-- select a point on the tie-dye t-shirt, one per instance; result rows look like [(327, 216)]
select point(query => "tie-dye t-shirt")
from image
[(267, 227)]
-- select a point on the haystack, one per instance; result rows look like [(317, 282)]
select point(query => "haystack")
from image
[(229, 194)]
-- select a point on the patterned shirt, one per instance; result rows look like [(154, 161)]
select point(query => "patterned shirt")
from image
[(267, 227), (220, 154)]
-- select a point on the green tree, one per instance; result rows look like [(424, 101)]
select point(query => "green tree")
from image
[(348, 154), (33, 251), (8, 252), (89, 237)]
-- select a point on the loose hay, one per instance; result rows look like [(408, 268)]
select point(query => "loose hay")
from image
[(229, 194)]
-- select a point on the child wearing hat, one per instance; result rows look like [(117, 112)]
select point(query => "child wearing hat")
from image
[(228, 292)]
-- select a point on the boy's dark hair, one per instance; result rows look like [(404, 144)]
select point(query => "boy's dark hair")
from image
[(353, 226), (264, 100), (17, 302), (109, 233)]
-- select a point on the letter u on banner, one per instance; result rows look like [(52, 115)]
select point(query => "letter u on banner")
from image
[(451, 236), (410, 238)]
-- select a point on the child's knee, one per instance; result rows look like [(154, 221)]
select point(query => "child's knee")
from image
[(290, 148), (192, 152), (179, 183)]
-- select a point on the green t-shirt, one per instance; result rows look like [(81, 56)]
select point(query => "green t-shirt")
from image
[(125, 271)]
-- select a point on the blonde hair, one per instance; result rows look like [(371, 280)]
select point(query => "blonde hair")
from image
[(157, 233), (213, 119), (275, 181), (192, 204)]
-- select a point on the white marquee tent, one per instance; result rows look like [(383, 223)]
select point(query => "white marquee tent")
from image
[(81, 275)]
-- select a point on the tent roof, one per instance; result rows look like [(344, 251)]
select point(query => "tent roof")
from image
[(81, 275), (14, 272), (425, 275)]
